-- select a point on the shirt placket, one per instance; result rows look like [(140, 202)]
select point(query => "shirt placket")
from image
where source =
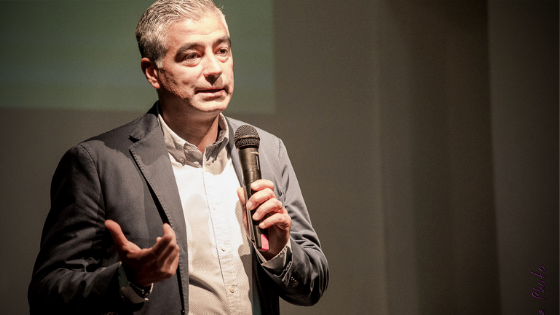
[(215, 192)]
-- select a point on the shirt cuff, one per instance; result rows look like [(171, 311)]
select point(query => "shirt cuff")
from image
[(277, 263), (127, 292)]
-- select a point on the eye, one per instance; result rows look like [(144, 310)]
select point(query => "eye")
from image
[(191, 56), (224, 51)]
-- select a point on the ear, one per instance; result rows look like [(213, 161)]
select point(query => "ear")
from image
[(151, 72)]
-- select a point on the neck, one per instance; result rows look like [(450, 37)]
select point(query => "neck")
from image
[(200, 130)]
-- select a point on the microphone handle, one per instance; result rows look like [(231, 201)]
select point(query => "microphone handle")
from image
[(249, 157)]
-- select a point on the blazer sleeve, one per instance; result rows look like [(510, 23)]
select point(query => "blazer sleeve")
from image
[(76, 271), (306, 276)]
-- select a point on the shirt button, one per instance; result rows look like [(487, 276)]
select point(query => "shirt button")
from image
[(232, 289), (223, 248)]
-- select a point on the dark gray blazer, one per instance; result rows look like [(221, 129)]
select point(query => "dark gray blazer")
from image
[(125, 175)]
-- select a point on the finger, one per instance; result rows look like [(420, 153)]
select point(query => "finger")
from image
[(257, 186), (167, 245), (168, 239), (280, 220), (170, 258), (261, 184), (165, 248), (276, 216), (168, 230), (270, 207), (167, 260), (260, 197), (161, 244), (116, 233)]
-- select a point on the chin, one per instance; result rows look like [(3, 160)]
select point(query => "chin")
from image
[(213, 106)]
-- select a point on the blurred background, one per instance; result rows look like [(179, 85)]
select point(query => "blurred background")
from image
[(424, 135)]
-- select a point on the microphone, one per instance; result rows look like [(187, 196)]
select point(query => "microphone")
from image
[(247, 143)]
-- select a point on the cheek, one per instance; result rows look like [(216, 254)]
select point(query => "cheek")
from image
[(183, 82), (228, 72), (182, 75), (189, 79)]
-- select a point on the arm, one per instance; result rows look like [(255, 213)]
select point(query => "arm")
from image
[(75, 272), (305, 277), (77, 268)]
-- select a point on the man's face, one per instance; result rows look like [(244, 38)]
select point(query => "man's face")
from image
[(197, 70)]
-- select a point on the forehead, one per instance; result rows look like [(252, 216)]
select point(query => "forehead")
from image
[(206, 28)]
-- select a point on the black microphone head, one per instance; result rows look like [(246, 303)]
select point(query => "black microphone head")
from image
[(246, 136)]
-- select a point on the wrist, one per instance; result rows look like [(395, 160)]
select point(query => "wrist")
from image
[(142, 291), (132, 292)]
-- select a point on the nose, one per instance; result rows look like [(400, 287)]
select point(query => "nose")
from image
[(212, 68)]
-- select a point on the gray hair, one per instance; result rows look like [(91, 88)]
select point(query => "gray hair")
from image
[(159, 17)]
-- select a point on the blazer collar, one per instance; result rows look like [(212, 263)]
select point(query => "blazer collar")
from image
[(146, 124)]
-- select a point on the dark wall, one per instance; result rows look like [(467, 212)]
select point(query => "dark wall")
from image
[(425, 138), (524, 83)]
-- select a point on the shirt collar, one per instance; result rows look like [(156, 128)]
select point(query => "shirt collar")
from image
[(187, 153)]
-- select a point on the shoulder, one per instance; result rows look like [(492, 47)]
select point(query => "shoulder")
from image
[(133, 131), (273, 155), (117, 141), (268, 141)]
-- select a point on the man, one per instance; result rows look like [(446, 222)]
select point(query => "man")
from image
[(148, 218)]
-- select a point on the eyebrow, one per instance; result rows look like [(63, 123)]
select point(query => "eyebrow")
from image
[(188, 46)]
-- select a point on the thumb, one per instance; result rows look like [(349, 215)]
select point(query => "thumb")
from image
[(116, 233), (241, 195)]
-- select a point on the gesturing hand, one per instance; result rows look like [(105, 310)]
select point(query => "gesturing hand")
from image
[(149, 265), (275, 217)]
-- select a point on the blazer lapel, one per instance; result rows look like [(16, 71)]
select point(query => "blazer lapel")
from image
[(233, 152), (151, 156)]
